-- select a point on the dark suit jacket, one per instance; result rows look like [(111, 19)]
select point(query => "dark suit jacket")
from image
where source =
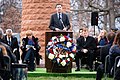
[(56, 23), (89, 44), (14, 44)]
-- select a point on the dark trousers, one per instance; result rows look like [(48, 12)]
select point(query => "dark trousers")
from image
[(37, 58), (80, 55), (30, 58), (100, 72)]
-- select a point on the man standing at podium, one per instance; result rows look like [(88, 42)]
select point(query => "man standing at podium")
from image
[(59, 21)]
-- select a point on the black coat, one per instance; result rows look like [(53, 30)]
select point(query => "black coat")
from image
[(25, 42), (56, 23), (89, 44), (14, 44)]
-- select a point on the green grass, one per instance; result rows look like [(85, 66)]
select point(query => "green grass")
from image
[(58, 78), (62, 78), (41, 74)]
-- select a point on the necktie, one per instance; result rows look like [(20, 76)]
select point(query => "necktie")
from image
[(59, 16), (9, 41), (85, 39)]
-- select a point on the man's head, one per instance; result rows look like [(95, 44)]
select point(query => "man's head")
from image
[(58, 8), (85, 32), (9, 32)]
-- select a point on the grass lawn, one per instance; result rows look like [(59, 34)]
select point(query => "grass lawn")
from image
[(41, 74), (62, 78)]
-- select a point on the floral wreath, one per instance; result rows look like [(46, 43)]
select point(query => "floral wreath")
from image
[(61, 49)]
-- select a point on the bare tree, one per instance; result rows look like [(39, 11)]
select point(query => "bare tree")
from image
[(10, 14), (109, 12)]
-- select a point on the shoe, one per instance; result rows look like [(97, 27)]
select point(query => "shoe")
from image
[(90, 69), (77, 70)]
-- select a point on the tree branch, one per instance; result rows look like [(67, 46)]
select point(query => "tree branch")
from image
[(88, 10)]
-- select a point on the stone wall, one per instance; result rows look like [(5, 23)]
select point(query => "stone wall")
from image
[(36, 16)]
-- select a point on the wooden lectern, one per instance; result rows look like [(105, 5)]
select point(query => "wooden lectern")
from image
[(54, 67)]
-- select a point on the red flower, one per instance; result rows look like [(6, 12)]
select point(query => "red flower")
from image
[(70, 59), (60, 60), (66, 38), (66, 60), (51, 51), (71, 40)]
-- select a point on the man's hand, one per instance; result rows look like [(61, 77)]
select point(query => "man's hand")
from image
[(84, 50), (57, 29), (65, 29)]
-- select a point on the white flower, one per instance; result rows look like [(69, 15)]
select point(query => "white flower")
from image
[(62, 39), (69, 44), (49, 43), (63, 63), (68, 59), (54, 37), (69, 39), (55, 52), (58, 60), (57, 40), (66, 54), (61, 56), (51, 56), (71, 55)]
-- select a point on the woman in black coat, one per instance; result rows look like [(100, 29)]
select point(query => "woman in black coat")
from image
[(30, 49)]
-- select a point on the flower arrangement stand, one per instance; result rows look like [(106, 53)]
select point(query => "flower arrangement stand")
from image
[(51, 66)]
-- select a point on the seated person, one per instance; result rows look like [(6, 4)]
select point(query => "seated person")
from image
[(30, 48), (85, 46), (104, 51), (10, 40), (102, 40), (115, 50), (3, 72), (6, 51), (9, 51)]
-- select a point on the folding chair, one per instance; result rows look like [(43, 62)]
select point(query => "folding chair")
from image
[(7, 63), (6, 71), (115, 65), (106, 63)]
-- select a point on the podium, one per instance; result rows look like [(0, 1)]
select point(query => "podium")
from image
[(49, 65)]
